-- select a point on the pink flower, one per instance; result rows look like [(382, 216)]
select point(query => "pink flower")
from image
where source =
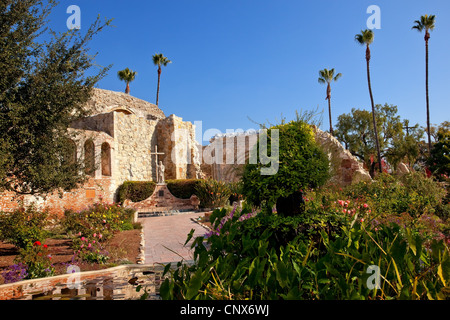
[(79, 233), (362, 220), (82, 246), (83, 239), (93, 241), (95, 234), (365, 205), (89, 245), (100, 236), (344, 210), (104, 221)]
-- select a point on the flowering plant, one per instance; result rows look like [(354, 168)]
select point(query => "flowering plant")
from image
[(90, 249), (14, 273), (38, 261)]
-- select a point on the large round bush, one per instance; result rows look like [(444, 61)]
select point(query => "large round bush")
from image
[(302, 165)]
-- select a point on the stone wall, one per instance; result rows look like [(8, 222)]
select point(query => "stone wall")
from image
[(162, 200), (176, 139), (92, 191), (104, 101), (345, 168), (135, 139)]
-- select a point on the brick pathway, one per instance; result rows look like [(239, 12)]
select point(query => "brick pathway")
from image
[(170, 232)]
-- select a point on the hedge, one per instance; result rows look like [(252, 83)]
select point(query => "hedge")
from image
[(135, 190)]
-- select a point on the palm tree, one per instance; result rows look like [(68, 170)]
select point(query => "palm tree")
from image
[(366, 38), (128, 76), (426, 23), (159, 60), (326, 76)]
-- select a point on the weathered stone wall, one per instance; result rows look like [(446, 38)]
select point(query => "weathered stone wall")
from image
[(135, 139), (129, 129), (77, 199), (345, 168), (176, 139), (104, 101)]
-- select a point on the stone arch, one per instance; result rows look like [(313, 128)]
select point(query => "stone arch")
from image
[(106, 159), (89, 158), (123, 110)]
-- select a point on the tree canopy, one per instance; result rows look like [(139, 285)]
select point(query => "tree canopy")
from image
[(355, 131), (43, 89)]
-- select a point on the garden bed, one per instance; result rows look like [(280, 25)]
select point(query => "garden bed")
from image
[(122, 248)]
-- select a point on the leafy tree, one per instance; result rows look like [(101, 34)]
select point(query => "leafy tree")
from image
[(159, 60), (439, 161), (366, 38), (43, 89), (302, 165), (327, 76), (426, 23), (128, 76), (356, 131)]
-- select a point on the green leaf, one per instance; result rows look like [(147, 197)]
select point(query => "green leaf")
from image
[(195, 284), (190, 235)]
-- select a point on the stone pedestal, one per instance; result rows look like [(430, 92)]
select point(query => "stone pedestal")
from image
[(163, 201)]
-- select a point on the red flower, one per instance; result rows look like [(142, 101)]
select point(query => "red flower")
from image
[(37, 243), (45, 246)]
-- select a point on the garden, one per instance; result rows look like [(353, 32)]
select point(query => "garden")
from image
[(298, 237), (35, 245)]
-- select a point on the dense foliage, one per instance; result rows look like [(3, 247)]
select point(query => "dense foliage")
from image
[(23, 226), (135, 190), (302, 165), (44, 87), (92, 227), (212, 193), (332, 251), (181, 188)]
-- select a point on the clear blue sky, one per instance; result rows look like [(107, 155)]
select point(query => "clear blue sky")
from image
[(236, 59)]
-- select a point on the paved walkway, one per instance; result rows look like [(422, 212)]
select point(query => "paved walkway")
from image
[(169, 232)]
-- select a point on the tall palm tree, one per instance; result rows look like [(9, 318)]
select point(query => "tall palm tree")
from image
[(159, 60), (128, 76), (366, 38), (326, 76), (426, 23)]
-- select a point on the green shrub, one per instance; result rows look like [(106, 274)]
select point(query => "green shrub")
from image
[(234, 264), (212, 193), (38, 261), (412, 193), (23, 226), (100, 218), (135, 190), (183, 189), (302, 165)]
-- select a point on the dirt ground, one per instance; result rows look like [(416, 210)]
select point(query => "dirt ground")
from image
[(122, 248)]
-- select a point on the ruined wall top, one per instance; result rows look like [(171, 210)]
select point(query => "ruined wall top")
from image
[(103, 101)]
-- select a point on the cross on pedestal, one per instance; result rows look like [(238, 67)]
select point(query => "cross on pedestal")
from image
[(156, 153)]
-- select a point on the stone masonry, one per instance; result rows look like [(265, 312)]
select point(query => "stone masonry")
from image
[(117, 140), (345, 168)]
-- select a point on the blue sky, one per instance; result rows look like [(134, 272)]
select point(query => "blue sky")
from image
[(236, 59)]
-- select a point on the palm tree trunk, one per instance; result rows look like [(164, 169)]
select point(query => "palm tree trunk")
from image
[(426, 90), (127, 89), (373, 109), (157, 91), (329, 113)]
